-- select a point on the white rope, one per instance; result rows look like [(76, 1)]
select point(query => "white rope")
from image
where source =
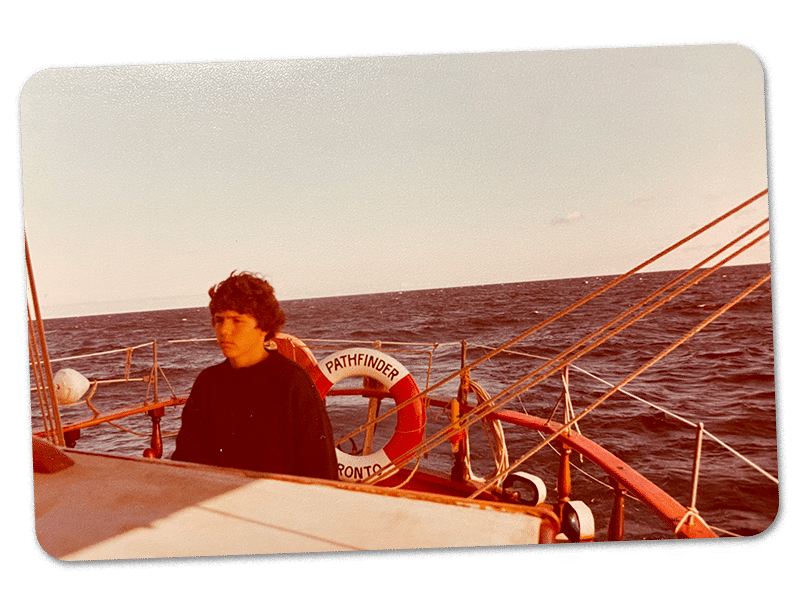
[(495, 435), (328, 341), (744, 458), (690, 513), (52, 360), (569, 410)]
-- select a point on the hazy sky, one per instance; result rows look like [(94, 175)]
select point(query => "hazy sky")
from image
[(145, 185)]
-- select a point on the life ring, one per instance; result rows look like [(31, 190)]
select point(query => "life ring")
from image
[(294, 349), (410, 427)]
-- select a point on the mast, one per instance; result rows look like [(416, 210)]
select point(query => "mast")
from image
[(38, 346)]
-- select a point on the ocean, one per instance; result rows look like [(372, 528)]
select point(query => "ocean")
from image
[(723, 377)]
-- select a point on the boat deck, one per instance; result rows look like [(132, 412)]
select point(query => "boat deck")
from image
[(108, 507)]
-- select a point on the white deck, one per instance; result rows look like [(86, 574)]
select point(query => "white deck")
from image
[(110, 508)]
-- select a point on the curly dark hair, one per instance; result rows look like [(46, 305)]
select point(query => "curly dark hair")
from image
[(248, 294)]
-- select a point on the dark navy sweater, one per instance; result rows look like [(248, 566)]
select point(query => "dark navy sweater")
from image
[(267, 417)]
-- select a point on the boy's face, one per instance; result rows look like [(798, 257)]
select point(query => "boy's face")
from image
[(239, 338)]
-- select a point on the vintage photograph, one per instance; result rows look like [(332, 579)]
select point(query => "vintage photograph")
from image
[(401, 302)]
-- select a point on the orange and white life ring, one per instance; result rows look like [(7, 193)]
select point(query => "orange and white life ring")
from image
[(410, 427), (294, 349)]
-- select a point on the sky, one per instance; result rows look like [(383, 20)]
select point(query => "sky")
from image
[(145, 185)]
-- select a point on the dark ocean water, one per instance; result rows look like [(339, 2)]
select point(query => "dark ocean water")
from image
[(723, 377)]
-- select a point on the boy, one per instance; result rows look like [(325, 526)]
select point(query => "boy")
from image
[(257, 410)]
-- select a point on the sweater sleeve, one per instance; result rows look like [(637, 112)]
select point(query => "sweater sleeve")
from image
[(192, 440), (314, 450)]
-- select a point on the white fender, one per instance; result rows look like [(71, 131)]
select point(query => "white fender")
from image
[(70, 386)]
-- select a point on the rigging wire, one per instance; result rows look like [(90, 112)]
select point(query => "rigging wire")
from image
[(565, 311), (632, 376), (563, 359)]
